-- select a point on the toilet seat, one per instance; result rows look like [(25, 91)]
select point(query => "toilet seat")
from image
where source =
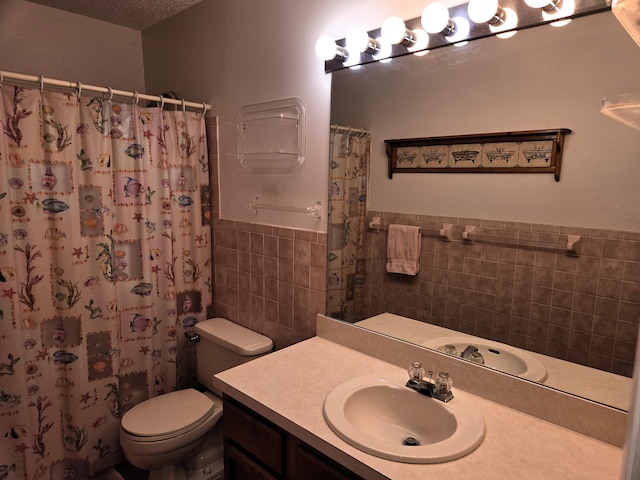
[(170, 415)]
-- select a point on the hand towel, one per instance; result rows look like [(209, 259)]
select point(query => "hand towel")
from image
[(403, 249)]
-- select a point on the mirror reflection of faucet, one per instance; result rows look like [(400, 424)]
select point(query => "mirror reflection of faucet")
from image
[(450, 349), (472, 354)]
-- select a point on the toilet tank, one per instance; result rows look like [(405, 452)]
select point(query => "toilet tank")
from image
[(223, 345)]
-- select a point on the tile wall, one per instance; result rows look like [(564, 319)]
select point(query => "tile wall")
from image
[(584, 309), (269, 279)]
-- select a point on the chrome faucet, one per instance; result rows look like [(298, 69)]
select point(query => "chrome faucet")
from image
[(472, 354), (440, 389)]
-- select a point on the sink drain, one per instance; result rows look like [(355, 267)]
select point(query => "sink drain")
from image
[(410, 442)]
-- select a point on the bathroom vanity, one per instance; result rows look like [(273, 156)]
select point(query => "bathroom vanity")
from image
[(258, 449), (274, 425)]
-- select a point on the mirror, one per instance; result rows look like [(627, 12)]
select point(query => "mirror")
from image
[(529, 82)]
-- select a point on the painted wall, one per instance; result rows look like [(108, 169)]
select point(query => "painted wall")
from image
[(39, 40)]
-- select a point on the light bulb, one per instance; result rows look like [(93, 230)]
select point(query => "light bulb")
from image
[(394, 30), (435, 18), (508, 26), (352, 58), (358, 39), (461, 32), (326, 48), (567, 8), (422, 40), (385, 50), (538, 3), (482, 11)]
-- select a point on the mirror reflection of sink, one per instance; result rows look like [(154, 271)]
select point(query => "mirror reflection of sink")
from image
[(379, 415), (496, 355)]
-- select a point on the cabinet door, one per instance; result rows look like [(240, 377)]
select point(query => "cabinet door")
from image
[(238, 466), (309, 466), (254, 435)]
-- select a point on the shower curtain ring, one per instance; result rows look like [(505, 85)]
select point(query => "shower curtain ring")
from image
[(183, 106), (41, 83), (204, 106), (110, 92), (136, 98), (161, 102), (1, 77), (78, 90)]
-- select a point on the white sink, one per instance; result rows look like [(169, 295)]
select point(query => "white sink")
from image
[(377, 414), (496, 355)]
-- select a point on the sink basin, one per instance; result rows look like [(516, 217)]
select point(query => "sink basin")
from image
[(496, 355), (379, 415)]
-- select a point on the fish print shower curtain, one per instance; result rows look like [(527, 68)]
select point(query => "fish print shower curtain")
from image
[(105, 262), (348, 166)]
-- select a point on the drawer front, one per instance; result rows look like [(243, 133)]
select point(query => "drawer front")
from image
[(254, 435)]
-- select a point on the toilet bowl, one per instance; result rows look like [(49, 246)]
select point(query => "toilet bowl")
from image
[(177, 436), (168, 428)]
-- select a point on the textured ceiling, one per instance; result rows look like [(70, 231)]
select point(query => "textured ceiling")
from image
[(137, 14)]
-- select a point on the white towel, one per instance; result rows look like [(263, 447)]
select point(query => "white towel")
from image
[(403, 249)]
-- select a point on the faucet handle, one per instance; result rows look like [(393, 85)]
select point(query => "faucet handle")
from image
[(450, 349), (444, 382), (477, 357), (416, 372)]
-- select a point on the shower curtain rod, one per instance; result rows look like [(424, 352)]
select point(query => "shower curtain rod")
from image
[(80, 87), (339, 128)]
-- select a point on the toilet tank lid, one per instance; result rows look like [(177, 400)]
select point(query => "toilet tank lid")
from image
[(234, 337)]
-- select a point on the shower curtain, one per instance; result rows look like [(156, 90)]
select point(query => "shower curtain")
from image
[(105, 263), (348, 166)]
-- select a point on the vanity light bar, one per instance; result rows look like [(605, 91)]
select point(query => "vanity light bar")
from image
[(508, 17)]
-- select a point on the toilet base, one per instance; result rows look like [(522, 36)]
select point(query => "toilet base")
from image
[(209, 452), (169, 472), (206, 464), (213, 471)]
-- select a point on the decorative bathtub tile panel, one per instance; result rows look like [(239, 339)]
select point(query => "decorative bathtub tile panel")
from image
[(535, 154), (465, 155), (434, 156), (500, 154)]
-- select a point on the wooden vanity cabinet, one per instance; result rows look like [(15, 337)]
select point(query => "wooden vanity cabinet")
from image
[(256, 449)]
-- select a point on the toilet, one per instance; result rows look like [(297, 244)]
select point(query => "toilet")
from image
[(178, 435)]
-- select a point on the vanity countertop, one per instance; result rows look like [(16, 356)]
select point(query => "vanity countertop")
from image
[(288, 388)]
